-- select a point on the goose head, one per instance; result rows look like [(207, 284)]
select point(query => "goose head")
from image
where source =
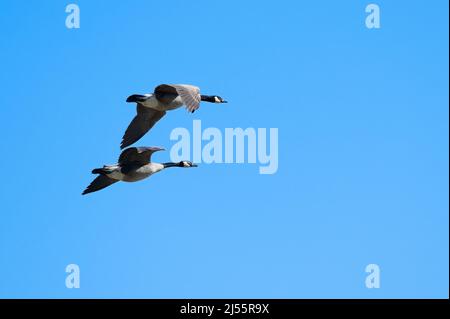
[(218, 99), (187, 164), (212, 99)]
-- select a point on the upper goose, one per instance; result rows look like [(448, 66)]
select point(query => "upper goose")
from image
[(134, 165), (152, 107)]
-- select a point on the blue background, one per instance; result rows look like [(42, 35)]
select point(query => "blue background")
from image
[(363, 150)]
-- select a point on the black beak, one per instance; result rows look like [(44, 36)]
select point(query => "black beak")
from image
[(223, 101)]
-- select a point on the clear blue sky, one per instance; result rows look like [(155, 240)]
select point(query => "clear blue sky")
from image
[(363, 150)]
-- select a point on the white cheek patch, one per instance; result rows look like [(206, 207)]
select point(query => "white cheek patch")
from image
[(216, 99)]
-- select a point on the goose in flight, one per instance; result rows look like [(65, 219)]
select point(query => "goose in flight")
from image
[(152, 107), (134, 165)]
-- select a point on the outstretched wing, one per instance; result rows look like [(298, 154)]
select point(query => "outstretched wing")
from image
[(99, 183), (137, 155), (141, 124), (190, 94)]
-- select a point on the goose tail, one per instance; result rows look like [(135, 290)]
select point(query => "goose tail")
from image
[(136, 98), (98, 171), (107, 169)]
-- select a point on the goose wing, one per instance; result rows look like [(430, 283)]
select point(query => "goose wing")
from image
[(99, 183), (190, 94), (137, 155), (141, 124)]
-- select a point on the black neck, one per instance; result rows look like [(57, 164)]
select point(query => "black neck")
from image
[(171, 164), (208, 98)]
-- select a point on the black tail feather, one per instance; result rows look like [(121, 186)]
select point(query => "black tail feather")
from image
[(98, 171), (136, 98)]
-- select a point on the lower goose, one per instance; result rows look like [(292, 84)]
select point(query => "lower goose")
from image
[(134, 165)]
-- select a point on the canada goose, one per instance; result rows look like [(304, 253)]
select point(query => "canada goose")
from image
[(152, 107), (134, 165)]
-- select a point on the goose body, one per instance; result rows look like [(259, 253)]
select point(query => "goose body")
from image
[(152, 102), (152, 107), (136, 174), (133, 165)]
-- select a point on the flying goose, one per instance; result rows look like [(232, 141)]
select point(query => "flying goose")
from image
[(134, 165), (152, 107)]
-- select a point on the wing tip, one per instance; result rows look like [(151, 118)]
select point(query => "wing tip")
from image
[(125, 142)]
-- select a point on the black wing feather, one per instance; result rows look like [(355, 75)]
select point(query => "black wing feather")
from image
[(99, 183), (141, 124)]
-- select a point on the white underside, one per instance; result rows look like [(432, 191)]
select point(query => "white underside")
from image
[(135, 175)]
